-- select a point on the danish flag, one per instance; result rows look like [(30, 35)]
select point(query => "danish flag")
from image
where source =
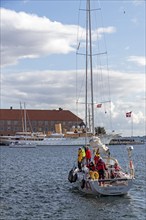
[(128, 114), (99, 105)]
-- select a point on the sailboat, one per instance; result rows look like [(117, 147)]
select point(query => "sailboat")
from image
[(90, 181), (23, 138)]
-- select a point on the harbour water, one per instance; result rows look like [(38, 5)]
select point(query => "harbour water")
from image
[(34, 186)]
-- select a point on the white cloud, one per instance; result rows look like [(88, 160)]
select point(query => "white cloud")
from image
[(138, 117), (47, 90), (138, 2), (29, 36), (139, 60), (108, 30)]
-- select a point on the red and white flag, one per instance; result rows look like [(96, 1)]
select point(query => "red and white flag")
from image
[(128, 114), (99, 105)]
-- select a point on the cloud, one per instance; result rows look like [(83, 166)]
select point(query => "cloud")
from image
[(138, 2), (139, 60), (107, 30), (53, 89), (43, 87), (29, 36), (138, 117)]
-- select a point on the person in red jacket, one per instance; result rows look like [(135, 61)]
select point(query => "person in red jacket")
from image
[(91, 166), (88, 156), (101, 167), (117, 167), (96, 157)]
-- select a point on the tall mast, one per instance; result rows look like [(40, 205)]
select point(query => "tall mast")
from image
[(88, 32), (22, 117), (86, 89), (25, 125)]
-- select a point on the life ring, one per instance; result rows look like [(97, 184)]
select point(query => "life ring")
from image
[(94, 174)]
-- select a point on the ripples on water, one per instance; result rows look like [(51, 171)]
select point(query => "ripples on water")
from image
[(34, 186)]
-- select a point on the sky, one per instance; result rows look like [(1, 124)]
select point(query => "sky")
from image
[(39, 65)]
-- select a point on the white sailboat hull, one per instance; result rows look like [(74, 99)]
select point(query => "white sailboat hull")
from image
[(115, 182), (112, 187)]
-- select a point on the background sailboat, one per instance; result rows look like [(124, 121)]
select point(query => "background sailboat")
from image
[(25, 137)]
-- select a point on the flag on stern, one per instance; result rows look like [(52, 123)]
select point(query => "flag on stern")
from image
[(98, 105), (128, 114)]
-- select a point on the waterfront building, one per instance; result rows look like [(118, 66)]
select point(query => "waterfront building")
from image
[(46, 121)]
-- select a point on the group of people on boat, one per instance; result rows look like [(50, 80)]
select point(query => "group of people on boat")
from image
[(97, 168)]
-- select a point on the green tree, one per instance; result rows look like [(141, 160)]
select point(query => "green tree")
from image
[(100, 130)]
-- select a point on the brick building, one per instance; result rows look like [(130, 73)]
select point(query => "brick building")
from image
[(12, 120)]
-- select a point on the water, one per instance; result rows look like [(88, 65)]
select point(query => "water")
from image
[(34, 186)]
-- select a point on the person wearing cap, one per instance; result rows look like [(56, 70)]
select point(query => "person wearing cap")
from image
[(96, 157), (115, 173), (101, 167), (117, 167)]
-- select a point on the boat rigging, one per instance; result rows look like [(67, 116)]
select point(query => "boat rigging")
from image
[(102, 176)]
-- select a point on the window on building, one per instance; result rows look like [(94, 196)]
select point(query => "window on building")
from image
[(8, 122), (16, 123), (46, 123)]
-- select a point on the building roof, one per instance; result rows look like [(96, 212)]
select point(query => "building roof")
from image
[(48, 115)]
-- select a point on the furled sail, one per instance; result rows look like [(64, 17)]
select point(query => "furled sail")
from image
[(95, 142)]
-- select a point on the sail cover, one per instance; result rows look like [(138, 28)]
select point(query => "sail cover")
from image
[(95, 142)]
